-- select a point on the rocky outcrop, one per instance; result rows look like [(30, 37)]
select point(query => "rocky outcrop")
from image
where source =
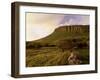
[(74, 58)]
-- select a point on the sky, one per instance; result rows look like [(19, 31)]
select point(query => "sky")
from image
[(40, 25)]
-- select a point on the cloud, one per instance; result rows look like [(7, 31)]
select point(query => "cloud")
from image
[(73, 19), (39, 25)]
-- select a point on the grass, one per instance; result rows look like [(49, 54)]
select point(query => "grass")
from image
[(52, 57), (84, 54)]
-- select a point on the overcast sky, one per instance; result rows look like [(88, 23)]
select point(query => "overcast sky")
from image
[(40, 25)]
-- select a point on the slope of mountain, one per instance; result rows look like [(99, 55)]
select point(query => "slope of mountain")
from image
[(62, 33)]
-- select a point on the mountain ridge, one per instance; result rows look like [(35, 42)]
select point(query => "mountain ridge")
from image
[(62, 33)]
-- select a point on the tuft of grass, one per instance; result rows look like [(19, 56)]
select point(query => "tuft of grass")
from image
[(52, 57)]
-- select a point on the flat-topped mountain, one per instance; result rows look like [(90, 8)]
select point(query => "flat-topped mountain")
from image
[(64, 32)]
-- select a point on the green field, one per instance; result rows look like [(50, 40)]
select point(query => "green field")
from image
[(52, 57), (54, 49)]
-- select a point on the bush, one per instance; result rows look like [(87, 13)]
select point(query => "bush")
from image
[(76, 43), (33, 45), (66, 45)]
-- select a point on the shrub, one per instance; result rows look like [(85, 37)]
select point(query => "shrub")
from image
[(66, 45), (33, 45), (73, 43)]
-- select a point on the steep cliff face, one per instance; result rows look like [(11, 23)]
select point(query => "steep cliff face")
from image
[(74, 28)]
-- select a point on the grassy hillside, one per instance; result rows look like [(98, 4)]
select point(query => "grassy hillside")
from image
[(55, 49), (61, 33)]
